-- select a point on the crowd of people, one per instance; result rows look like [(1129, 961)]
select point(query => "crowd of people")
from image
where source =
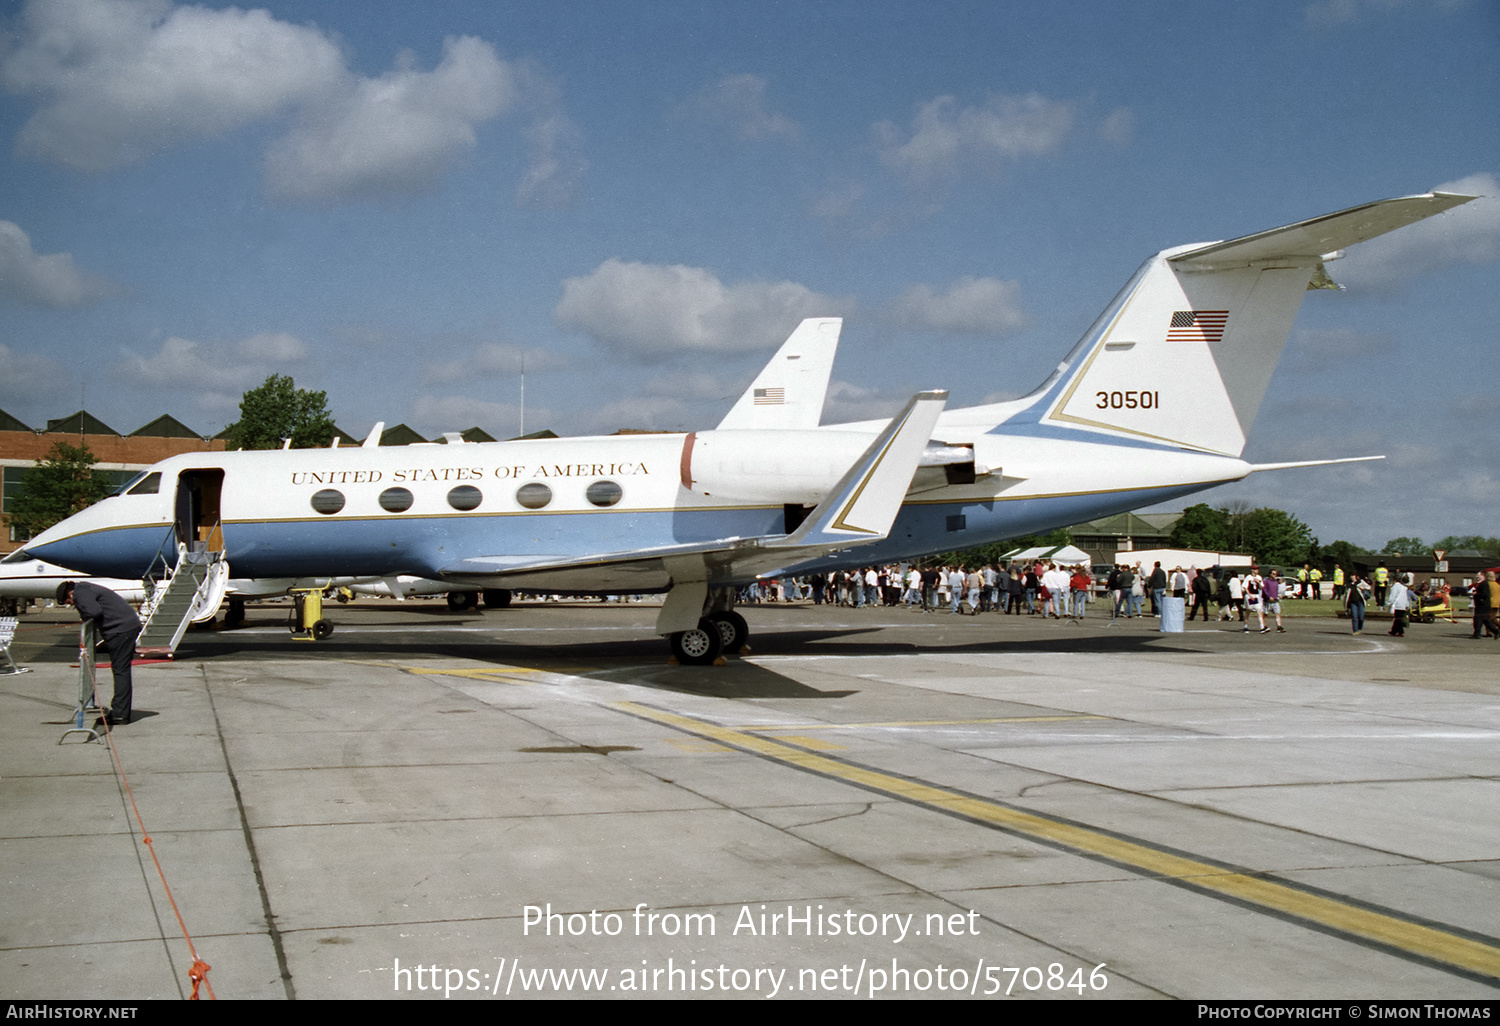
[(1057, 591)]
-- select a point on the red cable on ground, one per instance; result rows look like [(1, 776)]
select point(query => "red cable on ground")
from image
[(198, 973)]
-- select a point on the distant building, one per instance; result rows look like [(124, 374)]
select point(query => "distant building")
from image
[(1124, 532)]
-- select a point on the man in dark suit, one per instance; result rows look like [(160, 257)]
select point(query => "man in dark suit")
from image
[(117, 626)]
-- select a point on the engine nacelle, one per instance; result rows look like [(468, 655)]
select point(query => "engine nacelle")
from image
[(783, 467), (799, 467)]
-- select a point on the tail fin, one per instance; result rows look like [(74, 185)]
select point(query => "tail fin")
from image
[(1184, 354), (789, 392)]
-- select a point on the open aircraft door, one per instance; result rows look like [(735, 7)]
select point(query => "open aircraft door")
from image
[(197, 517)]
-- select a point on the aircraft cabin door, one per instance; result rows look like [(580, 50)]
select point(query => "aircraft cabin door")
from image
[(197, 511)]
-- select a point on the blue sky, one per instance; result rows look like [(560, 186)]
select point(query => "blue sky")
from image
[(397, 202)]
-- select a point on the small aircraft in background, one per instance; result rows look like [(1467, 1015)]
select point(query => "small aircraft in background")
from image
[(1153, 403), (23, 577)]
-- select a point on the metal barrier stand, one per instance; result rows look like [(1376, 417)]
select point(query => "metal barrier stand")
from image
[(86, 703)]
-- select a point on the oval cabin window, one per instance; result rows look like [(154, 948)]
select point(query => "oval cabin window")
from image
[(604, 493), (465, 497), (395, 500), (328, 501), (534, 495)]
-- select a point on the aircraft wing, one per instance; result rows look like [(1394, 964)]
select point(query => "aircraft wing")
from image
[(859, 509)]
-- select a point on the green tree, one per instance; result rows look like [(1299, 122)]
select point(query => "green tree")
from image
[(1201, 527), (278, 410), (1344, 554), (1405, 547), (62, 483), (1278, 538), (1489, 546)]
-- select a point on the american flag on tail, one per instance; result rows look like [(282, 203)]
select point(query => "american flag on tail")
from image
[(1198, 326)]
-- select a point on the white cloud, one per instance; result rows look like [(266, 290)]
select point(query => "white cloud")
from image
[(944, 137), (215, 369), (986, 307), (650, 311), (1314, 350), (1339, 12), (739, 102), (432, 415), (52, 280), (1469, 234), (492, 360), (394, 133), (124, 78), (555, 162), (846, 403), (1118, 127), (120, 80), (25, 377)]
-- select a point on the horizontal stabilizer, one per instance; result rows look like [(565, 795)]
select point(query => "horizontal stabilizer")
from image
[(1254, 467), (1307, 241)]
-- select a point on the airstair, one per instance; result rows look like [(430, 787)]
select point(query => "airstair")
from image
[(190, 592)]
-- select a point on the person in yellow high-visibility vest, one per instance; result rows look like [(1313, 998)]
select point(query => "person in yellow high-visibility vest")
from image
[(1382, 582), (1338, 582), (1317, 583)]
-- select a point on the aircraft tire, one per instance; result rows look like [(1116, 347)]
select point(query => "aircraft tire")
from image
[(234, 616), (496, 598), (322, 629), (458, 601), (699, 646), (734, 632)]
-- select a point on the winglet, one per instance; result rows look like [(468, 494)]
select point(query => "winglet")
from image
[(789, 392), (863, 505)]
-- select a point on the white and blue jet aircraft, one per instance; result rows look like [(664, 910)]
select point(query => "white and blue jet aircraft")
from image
[(1153, 403)]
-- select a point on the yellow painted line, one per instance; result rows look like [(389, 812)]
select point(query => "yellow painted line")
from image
[(815, 743), (923, 723), (1434, 944), (697, 745), (494, 676)]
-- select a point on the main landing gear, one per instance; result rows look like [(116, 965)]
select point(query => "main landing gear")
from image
[(494, 598), (720, 632)]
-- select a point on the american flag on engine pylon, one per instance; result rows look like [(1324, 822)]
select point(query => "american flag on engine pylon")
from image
[(770, 396), (1198, 326)]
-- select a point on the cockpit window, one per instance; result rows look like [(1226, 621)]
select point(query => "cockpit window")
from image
[(137, 479), (146, 484)]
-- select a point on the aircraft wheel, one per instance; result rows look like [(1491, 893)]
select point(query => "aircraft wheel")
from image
[(496, 598), (733, 630), (322, 629), (234, 616), (699, 646), (458, 601)]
